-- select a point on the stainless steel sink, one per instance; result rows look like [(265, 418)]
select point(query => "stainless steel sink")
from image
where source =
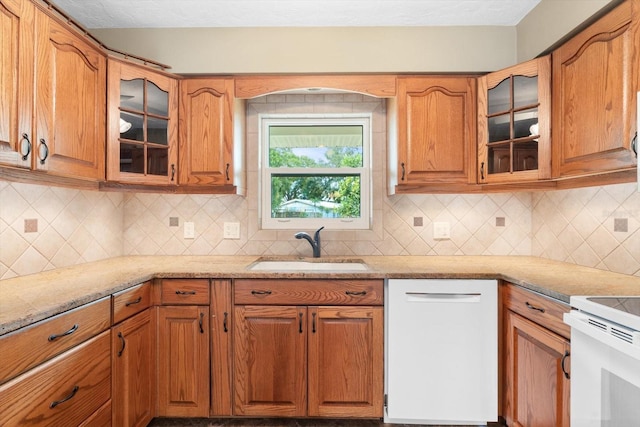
[(305, 264)]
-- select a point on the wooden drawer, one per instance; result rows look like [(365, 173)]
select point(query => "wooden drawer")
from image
[(131, 301), (185, 291), (63, 391), (309, 292), (538, 308), (27, 347), (100, 418)]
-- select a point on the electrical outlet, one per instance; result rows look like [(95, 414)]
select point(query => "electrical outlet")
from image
[(231, 230), (441, 230), (189, 230)]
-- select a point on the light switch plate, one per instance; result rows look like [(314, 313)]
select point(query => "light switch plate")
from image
[(231, 230), (189, 230), (441, 230)]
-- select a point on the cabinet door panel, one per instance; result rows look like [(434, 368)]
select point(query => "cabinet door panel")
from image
[(183, 361), (537, 391), (221, 351), (133, 370), (270, 361), (594, 90), (142, 142), (345, 361), (206, 132), (71, 103), (436, 130), (16, 81)]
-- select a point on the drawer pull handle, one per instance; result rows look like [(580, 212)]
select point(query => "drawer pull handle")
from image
[(201, 323), (64, 334), (124, 343), (260, 292), (226, 172), (224, 322), (185, 292), (533, 307), (70, 396), (136, 301), (356, 294), (564, 371), (403, 172)]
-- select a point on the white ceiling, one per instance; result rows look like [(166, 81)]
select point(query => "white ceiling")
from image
[(294, 13)]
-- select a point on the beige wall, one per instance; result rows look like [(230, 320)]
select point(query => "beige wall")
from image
[(318, 50), (354, 49), (550, 21)]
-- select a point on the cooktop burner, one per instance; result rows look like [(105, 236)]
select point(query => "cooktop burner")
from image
[(629, 305)]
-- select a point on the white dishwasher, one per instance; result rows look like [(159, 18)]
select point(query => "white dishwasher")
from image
[(441, 351)]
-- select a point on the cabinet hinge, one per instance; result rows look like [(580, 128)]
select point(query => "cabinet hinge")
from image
[(385, 400)]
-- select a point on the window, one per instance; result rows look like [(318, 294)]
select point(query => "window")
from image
[(315, 171)]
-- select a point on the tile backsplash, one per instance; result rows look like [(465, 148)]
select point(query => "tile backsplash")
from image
[(73, 227), (583, 226)]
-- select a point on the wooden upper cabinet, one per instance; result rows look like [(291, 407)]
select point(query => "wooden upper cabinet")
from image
[(16, 74), (436, 131), (51, 118), (70, 102), (206, 132), (514, 123), (595, 79), (142, 142)]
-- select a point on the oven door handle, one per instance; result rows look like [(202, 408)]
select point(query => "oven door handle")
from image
[(579, 322)]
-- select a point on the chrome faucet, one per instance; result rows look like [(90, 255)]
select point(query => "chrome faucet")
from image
[(315, 242)]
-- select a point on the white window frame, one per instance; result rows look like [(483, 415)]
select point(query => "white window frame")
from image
[(269, 223)]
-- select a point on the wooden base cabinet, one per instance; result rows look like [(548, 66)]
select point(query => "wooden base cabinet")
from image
[(344, 360), (294, 360), (134, 370), (537, 371), (183, 361), (270, 352)]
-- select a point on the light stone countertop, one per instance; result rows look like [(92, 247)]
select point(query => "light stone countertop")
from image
[(28, 299)]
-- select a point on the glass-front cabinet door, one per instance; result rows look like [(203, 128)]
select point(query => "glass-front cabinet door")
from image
[(514, 124), (143, 107)]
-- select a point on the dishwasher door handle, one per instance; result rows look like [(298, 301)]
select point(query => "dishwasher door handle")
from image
[(439, 297)]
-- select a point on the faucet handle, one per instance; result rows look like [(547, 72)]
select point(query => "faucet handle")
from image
[(316, 236)]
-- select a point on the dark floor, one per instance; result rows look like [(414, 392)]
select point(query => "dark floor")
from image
[(271, 422)]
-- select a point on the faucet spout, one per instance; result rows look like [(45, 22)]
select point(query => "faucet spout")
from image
[(314, 242)]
